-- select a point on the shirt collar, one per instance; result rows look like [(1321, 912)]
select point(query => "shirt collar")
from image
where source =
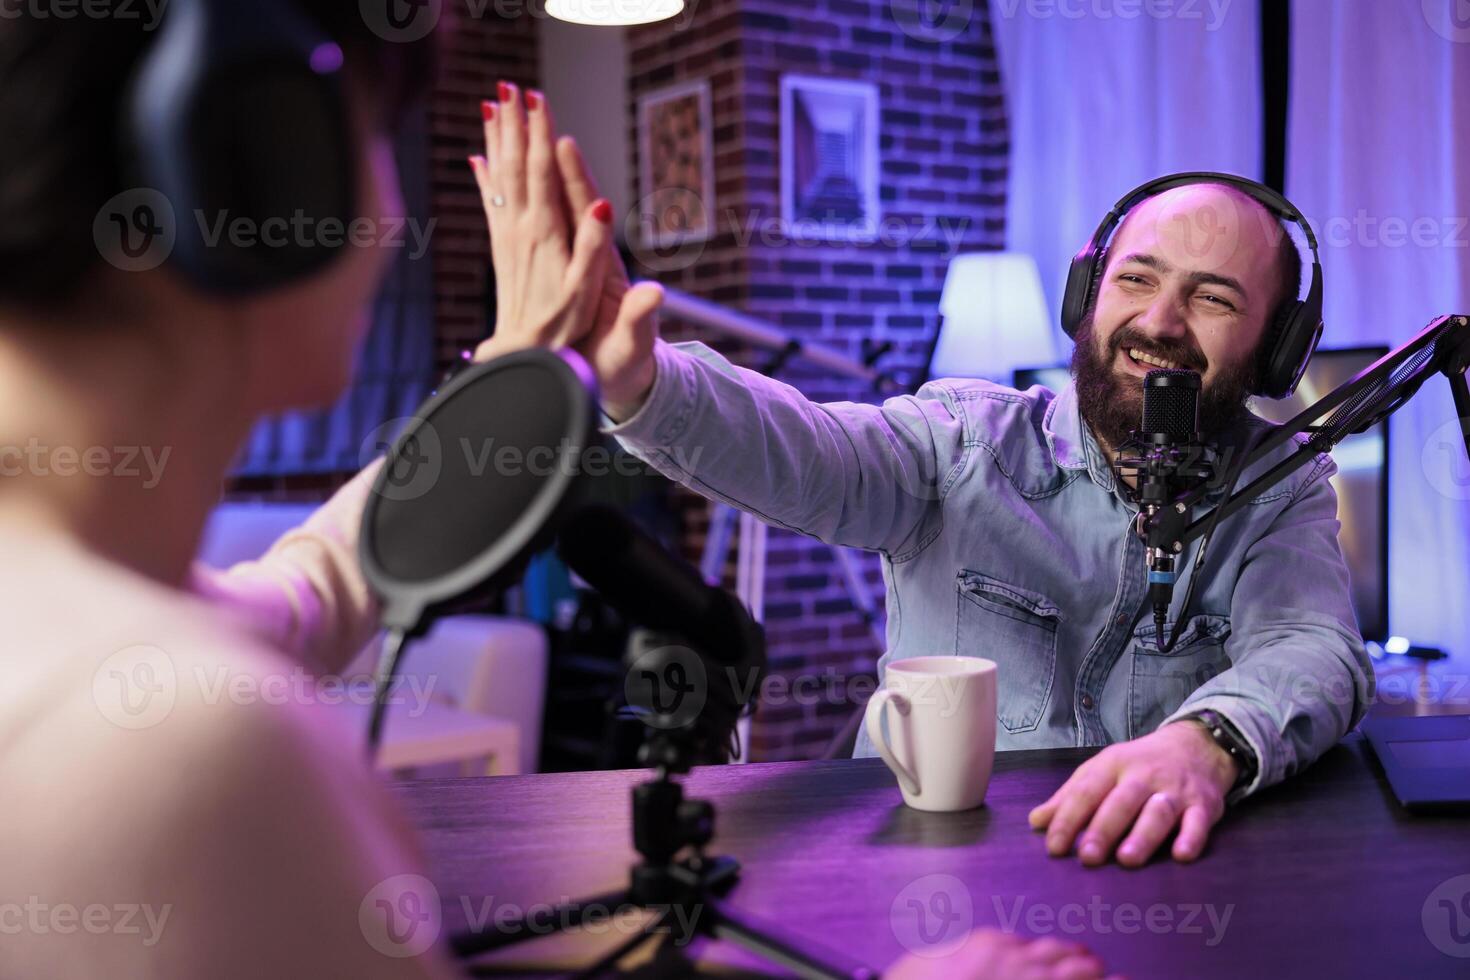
[(1073, 445)]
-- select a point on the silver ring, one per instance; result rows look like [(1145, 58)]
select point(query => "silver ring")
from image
[(497, 201)]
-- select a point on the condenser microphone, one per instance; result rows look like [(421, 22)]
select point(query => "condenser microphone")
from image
[(697, 639), (1171, 407), (1172, 450), (653, 587)]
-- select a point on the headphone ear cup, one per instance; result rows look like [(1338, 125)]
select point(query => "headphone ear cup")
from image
[(1286, 351), (1095, 283), (1083, 276), (288, 173), (239, 125)]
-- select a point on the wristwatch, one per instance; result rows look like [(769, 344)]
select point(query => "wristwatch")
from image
[(1228, 737)]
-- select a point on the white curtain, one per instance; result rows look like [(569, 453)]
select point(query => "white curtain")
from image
[(1379, 161), (1103, 96)]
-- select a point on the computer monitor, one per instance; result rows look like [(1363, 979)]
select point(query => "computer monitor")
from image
[(1361, 481)]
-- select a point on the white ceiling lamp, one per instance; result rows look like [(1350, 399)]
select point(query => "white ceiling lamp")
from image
[(614, 13)]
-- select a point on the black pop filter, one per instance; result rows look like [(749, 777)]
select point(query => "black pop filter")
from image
[(476, 483)]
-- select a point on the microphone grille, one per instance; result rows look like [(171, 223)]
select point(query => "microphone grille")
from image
[(1171, 404)]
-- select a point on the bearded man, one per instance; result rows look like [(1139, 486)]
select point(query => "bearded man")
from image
[(1006, 533)]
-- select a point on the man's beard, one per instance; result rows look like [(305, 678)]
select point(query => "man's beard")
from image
[(1111, 400)]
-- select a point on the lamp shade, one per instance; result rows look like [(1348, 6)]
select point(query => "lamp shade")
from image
[(995, 318), (613, 13)]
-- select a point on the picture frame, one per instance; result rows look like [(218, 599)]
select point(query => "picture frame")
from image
[(829, 158), (676, 165)]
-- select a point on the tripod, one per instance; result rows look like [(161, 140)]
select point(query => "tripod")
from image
[(677, 880)]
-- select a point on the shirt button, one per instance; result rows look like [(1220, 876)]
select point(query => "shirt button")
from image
[(1087, 701), (1121, 619)]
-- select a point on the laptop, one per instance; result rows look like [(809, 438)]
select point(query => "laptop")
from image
[(1426, 757)]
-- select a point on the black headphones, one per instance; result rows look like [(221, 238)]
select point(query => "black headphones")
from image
[(237, 112), (1292, 331)]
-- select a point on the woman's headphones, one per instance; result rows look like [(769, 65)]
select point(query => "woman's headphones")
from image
[(237, 112), (1292, 331)]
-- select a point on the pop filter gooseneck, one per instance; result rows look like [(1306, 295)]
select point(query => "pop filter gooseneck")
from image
[(478, 481)]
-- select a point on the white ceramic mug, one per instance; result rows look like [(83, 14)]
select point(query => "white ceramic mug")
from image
[(941, 742)]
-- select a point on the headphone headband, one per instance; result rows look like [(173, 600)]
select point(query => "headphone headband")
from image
[(1266, 196)]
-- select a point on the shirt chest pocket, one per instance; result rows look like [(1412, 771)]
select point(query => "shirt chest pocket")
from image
[(1017, 629), (1159, 682)]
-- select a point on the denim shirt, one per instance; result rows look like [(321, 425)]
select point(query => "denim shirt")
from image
[(1004, 534)]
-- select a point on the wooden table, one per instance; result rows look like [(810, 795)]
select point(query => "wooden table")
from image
[(1322, 876)]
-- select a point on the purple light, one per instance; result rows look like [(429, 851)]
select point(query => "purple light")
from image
[(326, 59)]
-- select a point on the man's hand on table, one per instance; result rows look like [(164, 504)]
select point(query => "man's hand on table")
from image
[(1132, 795)]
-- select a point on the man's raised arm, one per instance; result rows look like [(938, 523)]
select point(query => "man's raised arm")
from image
[(864, 476)]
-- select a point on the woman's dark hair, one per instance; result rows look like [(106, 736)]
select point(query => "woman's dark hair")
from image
[(62, 149)]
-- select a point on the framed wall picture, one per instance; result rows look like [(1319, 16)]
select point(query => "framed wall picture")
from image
[(829, 158), (676, 165)]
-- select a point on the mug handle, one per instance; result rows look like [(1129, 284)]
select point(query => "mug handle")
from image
[(874, 721)]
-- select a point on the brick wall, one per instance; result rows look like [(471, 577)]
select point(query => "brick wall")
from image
[(476, 51), (943, 151)]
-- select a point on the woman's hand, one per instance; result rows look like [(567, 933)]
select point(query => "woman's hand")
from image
[(542, 184), (989, 954), (550, 260)]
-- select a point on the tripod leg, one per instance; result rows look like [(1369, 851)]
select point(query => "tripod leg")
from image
[(508, 932), (767, 940), (640, 937)]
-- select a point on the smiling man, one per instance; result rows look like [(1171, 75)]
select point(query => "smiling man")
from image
[(1006, 534)]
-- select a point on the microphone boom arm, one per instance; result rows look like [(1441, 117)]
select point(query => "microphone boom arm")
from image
[(1451, 357), (1377, 392)]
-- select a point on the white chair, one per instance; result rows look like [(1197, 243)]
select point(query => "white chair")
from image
[(430, 733), (483, 678)]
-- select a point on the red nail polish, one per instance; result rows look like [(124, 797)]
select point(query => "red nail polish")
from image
[(533, 99), (507, 91), (602, 211), (487, 110)]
